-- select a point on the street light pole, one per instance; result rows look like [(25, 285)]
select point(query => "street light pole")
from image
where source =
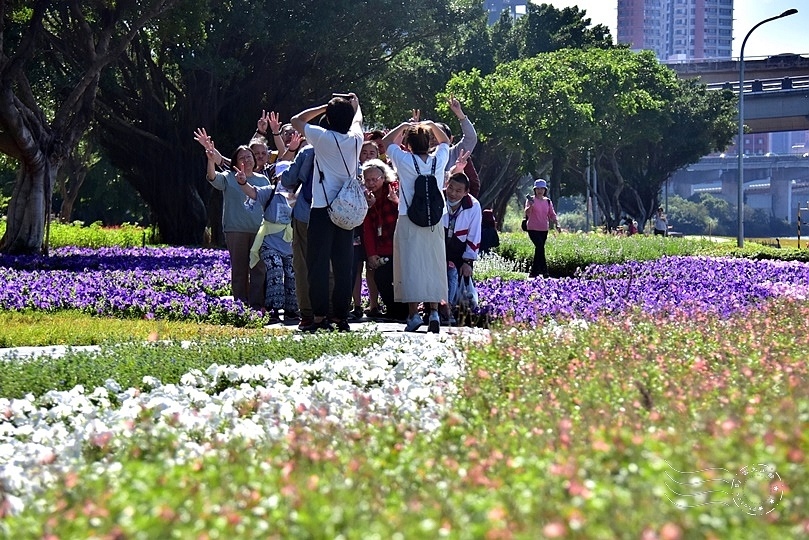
[(740, 142)]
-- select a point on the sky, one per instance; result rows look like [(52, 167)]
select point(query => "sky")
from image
[(787, 35)]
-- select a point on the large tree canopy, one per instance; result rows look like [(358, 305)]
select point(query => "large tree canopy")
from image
[(52, 54), (633, 114), (222, 66), (543, 90)]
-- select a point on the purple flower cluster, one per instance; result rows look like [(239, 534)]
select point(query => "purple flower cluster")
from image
[(168, 283), (191, 284), (672, 284)]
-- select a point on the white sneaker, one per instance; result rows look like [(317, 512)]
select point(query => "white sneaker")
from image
[(413, 323), (435, 322)]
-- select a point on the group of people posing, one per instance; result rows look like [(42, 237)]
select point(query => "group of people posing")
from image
[(288, 257)]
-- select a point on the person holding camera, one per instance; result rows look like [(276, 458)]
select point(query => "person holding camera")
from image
[(337, 149)]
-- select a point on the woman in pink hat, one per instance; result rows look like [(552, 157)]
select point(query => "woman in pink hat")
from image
[(541, 216)]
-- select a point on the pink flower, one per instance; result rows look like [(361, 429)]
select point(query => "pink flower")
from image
[(555, 529)]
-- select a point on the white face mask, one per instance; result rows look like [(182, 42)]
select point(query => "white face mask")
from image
[(453, 203)]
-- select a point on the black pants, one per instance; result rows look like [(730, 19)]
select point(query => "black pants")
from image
[(539, 264), (328, 245), (383, 277)]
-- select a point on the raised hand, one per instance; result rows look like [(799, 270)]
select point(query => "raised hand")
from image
[(455, 106), (262, 122), (202, 137), (463, 158), (393, 193), (416, 116), (294, 141), (460, 163), (275, 122), (241, 176)]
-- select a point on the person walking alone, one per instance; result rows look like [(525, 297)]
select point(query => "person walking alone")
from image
[(541, 216)]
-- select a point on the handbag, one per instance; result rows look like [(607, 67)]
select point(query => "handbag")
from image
[(467, 294), (348, 208)]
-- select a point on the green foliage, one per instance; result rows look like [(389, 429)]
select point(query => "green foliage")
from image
[(563, 430), (628, 111), (753, 250), (568, 252), (38, 328), (95, 235), (129, 362)]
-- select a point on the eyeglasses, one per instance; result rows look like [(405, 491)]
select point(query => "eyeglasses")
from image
[(245, 157), (374, 178)]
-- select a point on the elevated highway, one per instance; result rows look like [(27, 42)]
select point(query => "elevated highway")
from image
[(778, 184), (776, 89)]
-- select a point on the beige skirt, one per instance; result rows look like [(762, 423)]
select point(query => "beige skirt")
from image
[(419, 262)]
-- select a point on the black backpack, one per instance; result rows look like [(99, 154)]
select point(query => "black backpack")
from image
[(427, 206)]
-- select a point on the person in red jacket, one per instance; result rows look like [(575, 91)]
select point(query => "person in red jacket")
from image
[(377, 233)]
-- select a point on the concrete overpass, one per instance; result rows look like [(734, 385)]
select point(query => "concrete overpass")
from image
[(779, 184), (776, 88)]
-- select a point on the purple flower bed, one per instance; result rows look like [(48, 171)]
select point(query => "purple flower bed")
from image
[(170, 283), (189, 284), (671, 284)]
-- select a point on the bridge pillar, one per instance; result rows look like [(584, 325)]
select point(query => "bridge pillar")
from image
[(781, 191), (730, 186)]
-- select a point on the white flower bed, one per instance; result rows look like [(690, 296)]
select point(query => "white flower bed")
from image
[(411, 378)]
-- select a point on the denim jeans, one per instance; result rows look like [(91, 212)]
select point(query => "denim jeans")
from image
[(452, 284)]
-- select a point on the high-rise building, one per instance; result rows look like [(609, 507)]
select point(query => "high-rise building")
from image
[(678, 30), (516, 8)]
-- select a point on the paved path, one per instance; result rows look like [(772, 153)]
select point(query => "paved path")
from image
[(366, 325)]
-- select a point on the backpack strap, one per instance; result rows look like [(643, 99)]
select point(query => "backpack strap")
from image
[(320, 172), (418, 173), (328, 204)]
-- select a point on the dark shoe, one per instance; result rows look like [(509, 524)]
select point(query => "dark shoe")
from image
[(435, 322), (356, 314), (342, 325), (291, 319), (413, 323), (325, 324), (272, 317), (375, 313), (305, 321)]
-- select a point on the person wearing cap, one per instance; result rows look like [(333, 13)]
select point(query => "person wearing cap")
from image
[(541, 216), (273, 245)]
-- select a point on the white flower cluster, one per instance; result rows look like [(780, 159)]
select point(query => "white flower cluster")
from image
[(408, 378)]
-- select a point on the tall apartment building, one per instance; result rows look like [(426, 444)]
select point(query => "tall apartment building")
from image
[(516, 8), (678, 30)]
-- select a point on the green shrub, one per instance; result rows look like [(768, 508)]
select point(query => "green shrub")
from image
[(128, 363), (567, 252), (95, 235)]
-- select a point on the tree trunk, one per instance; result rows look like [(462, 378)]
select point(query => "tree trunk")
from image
[(25, 226), (499, 177), (71, 178)]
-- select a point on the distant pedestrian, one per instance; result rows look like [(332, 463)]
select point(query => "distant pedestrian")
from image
[(489, 237), (541, 217), (661, 226)]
